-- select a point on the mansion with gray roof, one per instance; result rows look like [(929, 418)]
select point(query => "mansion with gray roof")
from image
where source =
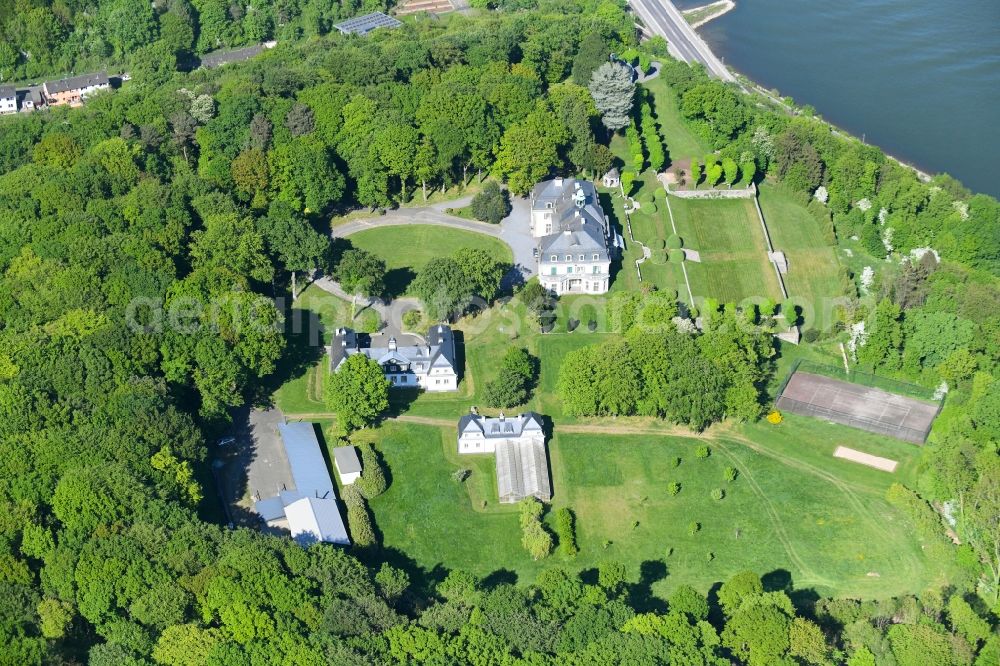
[(575, 239), (519, 444), (430, 365)]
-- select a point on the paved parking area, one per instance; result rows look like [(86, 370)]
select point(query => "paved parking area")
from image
[(255, 465)]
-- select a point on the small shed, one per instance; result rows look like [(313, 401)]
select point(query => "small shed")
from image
[(611, 178), (345, 459)]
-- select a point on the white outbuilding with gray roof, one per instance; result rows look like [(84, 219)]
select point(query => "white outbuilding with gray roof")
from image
[(345, 459), (519, 444)]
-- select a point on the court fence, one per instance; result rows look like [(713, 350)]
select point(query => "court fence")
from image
[(897, 430)]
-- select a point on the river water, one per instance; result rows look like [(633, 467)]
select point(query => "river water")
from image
[(919, 78)]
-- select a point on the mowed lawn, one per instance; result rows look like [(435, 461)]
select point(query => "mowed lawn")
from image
[(813, 269), (771, 519), (730, 241), (681, 141), (407, 248)]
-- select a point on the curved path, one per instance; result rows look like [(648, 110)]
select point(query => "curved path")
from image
[(512, 230)]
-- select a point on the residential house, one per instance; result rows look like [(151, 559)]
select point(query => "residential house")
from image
[(519, 444), (74, 90), (345, 459), (309, 510), (575, 239), (8, 100), (430, 365)]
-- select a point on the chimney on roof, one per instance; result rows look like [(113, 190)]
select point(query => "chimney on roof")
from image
[(559, 182), (392, 344), (474, 410), (502, 416)]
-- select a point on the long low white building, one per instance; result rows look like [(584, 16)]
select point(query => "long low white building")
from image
[(309, 510), (519, 444)]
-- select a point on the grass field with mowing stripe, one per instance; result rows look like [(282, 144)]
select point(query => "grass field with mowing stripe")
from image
[(783, 502), (813, 269), (728, 236)]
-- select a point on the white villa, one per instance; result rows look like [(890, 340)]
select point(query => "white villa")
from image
[(575, 239), (519, 445), (430, 365)]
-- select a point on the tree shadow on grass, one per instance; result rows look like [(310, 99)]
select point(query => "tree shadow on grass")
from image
[(397, 280), (304, 347), (640, 594), (498, 578)]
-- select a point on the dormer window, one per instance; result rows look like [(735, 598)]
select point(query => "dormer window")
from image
[(597, 257), (569, 257), (548, 205), (582, 257), (553, 258)]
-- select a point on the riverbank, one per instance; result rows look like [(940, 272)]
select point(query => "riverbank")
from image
[(875, 79), (699, 16)]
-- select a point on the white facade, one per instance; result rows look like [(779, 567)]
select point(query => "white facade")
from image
[(8, 101), (430, 366), (579, 272), (574, 248), (519, 446)]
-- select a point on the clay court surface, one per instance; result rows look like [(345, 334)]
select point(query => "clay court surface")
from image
[(863, 458), (858, 406)]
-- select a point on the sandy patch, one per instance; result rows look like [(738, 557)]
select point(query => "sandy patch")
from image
[(863, 458)]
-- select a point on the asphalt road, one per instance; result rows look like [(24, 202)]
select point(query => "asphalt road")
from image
[(664, 19)]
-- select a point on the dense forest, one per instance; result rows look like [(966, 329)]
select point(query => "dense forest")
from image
[(144, 237)]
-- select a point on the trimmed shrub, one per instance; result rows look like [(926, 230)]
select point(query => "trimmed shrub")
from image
[(718, 494), (358, 518), (676, 256), (731, 474), (660, 257), (694, 527), (674, 242), (703, 451), (372, 482), (775, 417), (412, 319), (565, 530), (589, 314), (648, 207), (673, 488)]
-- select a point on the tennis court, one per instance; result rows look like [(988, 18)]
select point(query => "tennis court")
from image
[(863, 407)]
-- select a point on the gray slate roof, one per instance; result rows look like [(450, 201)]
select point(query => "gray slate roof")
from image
[(362, 25), (438, 352), (501, 427), (578, 217), (77, 82), (7, 92), (347, 460), (578, 237), (226, 56)]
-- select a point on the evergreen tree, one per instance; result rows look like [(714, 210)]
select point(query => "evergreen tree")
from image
[(613, 91)]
